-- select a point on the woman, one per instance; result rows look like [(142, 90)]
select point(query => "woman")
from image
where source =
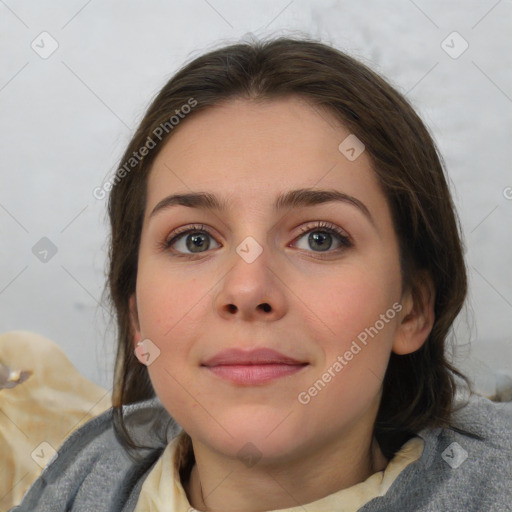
[(285, 265)]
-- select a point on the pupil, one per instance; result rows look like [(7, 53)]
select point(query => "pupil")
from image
[(319, 238)]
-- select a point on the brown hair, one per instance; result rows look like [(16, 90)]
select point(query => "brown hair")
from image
[(419, 388)]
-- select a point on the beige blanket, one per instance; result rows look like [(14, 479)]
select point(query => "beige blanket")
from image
[(43, 398)]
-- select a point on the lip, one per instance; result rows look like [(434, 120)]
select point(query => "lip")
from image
[(235, 356), (252, 367)]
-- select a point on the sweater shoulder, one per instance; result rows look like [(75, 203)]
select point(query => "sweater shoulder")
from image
[(92, 470), (466, 467), (490, 422)]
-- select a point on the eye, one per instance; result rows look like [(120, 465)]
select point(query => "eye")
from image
[(190, 240), (320, 238), (196, 239)]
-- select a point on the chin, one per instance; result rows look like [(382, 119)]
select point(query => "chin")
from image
[(267, 434), (250, 450)]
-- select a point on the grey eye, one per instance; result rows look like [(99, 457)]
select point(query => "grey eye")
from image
[(321, 240), (193, 242)]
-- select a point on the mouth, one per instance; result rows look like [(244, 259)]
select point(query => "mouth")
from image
[(249, 368)]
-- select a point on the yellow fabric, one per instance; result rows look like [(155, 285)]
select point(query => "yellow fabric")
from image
[(53, 402), (157, 495)]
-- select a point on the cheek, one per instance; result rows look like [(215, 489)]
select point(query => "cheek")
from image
[(348, 382), (351, 299), (170, 309), (168, 301), (357, 312)]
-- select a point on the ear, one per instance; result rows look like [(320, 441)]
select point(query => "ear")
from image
[(134, 320), (417, 316)]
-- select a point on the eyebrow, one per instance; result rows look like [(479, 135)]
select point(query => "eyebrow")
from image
[(292, 199)]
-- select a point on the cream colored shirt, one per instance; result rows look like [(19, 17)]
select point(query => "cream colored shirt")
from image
[(158, 495)]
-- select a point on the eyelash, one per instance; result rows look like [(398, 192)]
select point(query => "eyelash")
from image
[(332, 229), (326, 227)]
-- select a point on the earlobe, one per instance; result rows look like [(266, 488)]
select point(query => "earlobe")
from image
[(140, 346), (418, 317)]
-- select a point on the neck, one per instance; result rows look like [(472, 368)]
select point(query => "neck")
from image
[(223, 485)]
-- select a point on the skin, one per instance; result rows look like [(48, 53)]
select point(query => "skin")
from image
[(248, 152)]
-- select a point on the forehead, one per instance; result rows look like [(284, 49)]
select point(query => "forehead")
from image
[(249, 151)]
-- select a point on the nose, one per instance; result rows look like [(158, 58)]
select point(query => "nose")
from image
[(251, 291)]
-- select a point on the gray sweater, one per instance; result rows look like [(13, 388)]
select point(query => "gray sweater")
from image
[(92, 472)]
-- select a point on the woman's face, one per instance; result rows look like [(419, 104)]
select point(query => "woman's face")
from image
[(272, 315)]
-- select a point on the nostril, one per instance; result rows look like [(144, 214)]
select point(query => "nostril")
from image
[(265, 307)]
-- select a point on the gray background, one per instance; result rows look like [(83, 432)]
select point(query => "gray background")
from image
[(66, 118)]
